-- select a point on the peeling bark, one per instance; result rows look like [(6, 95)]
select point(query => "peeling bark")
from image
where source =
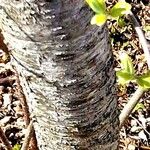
[(66, 70)]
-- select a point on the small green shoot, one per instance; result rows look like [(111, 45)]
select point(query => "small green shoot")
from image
[(121, 22), (17, 147), (124, 77), (138, 107), (126, 63), (127, 73), (144, 80), (98, 6), (101, 14), (120, 9), (147, 28), (99, 19)]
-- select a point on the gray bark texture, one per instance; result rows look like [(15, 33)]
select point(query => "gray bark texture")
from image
[(66, 70)]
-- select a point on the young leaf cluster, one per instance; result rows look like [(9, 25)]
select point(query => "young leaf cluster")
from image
[(17, 147), (102, 14), (127, 73)]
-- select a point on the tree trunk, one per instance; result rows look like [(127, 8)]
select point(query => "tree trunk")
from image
[(66, 70)]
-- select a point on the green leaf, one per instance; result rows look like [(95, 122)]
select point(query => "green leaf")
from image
[(103, 4), (126, 64), (17, 147), (98, 6), (144, 80), (120, 9), (99, 19), (139, 106), (124, 77), (147, 29), (121, 22)]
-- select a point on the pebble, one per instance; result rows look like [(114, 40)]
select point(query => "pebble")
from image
[(7, 99), (5, 120)]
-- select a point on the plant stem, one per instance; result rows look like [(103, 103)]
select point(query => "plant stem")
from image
[(139, 92), (141, 36), (130, 105), (33, 141), (28, 137)]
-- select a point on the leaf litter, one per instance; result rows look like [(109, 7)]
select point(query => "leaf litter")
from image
[(135, 135)]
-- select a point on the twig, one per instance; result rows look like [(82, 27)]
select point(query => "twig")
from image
[(5, 140), (141, 125), (130, 105), (28, 136), (142, 147), (141, 36), (33, 141), (23, 101), (139, 92), (7, 80)]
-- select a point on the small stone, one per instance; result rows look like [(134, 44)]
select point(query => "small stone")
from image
[(10, 89), (16, 103), (18, 109), (11, 135), (19, 114), (133, 123), (7, 99), (20, 122), (5, 120)]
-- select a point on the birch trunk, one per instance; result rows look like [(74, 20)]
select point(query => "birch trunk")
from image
[(66, 70)]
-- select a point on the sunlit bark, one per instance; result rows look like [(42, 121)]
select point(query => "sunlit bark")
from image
[(66, 70)]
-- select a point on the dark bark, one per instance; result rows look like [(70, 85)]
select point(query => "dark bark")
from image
[(66, 70)]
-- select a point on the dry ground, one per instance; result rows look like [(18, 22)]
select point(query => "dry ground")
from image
[(136, 132)]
